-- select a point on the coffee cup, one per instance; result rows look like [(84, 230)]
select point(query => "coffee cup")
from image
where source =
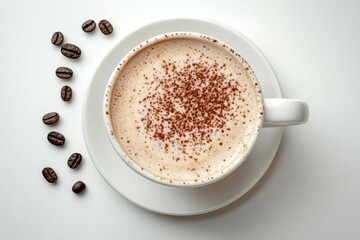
[(184, 109)]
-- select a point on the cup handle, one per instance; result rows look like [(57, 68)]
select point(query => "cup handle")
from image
[(279, 112)]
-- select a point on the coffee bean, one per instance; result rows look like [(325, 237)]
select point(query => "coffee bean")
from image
[(66, 93), (89, 25), (56, 138), (105, 27), (49, 174), (51, 118), (71, 51), (64, 72), (78, 187), (74, 160), (57, 38)]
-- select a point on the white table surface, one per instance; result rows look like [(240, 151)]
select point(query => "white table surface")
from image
[(312, 189)]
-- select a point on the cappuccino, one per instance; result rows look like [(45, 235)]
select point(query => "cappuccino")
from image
[(185, 109)]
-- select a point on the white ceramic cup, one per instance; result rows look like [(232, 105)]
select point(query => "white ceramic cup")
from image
[(274, 112)]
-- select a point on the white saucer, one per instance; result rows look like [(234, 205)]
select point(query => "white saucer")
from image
[(165, 199)]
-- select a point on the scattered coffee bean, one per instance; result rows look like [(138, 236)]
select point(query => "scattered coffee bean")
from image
[(89, 25), (66, 93), (57, 38), (74, 160), (51, 118), (49, 174), (64, 72), (56, 138), (78, 187), (71, 51), (105, 27)]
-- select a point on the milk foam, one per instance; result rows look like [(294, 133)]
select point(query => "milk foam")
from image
[(142, 125)]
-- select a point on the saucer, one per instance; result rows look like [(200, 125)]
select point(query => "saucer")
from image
[(166, 199)]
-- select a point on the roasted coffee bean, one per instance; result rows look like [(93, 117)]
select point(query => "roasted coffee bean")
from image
[(89, 25), (57, 38), (49, 174), (78, 187), (51, 118), (56, 138), (66, 93), (71, 51), (74, 160), (105, 27), (64, 72)]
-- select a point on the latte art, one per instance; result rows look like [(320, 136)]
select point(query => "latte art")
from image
[(184, 109)]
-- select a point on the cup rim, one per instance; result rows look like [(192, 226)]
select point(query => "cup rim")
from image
[(131, 163)]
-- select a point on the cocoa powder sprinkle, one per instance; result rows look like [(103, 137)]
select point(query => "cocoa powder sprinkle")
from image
[(191, 102)]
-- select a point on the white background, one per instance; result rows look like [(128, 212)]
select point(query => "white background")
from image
[(312, 189)]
